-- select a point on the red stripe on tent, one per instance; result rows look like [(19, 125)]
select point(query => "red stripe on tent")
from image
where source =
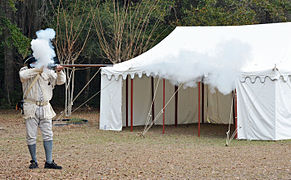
[(131, 106), (235, 105), (153, 93), (126, 102), (164, 104), (176, 106), (199, 109)]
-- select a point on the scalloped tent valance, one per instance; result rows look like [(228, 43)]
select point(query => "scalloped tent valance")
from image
[(219, 53), (262, 76)]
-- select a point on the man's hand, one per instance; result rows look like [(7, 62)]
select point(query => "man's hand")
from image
[(59, 68), (39, 70)]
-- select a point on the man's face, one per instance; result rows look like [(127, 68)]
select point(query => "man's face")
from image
[(33, 64)]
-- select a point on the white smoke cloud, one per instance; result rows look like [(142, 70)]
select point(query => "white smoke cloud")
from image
[(219, 69), (42, 47)]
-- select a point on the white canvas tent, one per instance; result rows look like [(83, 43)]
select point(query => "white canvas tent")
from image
[(216, 55)]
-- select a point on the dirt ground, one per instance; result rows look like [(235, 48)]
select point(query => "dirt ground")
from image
[(85, 152)]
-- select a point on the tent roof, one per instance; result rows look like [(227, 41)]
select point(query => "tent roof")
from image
[(213, 52)]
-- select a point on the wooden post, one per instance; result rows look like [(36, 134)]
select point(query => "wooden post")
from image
[(131, 106), (235, 95), (153, 93), (176, 106), (164, 104), (126, 101), (233, 108), (199, 84), (202, 103)]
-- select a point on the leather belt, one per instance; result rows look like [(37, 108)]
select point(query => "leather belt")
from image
[(38, 103)]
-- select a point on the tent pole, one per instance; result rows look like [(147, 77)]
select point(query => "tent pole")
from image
[(233, 108), (176, 106), (235, 96), (164, 104), (202, 86), (153, 93), (126, 102), (131, 105), (199, 84)]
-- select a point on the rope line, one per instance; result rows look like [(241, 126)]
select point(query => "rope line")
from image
[(62, 112), (160, 113), (149, 112), (86, 85), (92, 96)]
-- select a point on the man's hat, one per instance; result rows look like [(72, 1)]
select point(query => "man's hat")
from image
[(56, 60), (29, 59)]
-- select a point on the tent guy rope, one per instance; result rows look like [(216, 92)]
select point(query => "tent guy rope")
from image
[(160, 113)]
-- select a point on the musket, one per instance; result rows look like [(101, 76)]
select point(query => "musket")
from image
[(53, 66), (85, 65)]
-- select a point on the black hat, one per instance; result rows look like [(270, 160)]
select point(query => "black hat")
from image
[(29, 59), (56, 60)]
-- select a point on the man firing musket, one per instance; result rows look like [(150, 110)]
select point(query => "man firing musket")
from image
[(38, 82), (41, 73)]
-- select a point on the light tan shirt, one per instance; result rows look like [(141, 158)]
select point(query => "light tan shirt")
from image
[(42, 90)]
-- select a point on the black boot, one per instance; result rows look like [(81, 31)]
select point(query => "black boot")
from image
[(52, 165), (33, 164)]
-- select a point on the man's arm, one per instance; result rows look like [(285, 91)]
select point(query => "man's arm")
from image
[(61, 77), (25, 73)]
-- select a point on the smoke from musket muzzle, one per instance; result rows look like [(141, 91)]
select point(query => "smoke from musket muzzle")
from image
[(42, 48)]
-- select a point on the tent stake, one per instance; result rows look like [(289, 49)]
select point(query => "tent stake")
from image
[(126, 101), (131, 106), (153, 93), (176, 106), (164, 104)]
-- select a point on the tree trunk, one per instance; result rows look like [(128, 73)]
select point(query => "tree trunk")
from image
[(8, 59)]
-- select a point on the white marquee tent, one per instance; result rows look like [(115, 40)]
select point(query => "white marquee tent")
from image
[(217, 56)]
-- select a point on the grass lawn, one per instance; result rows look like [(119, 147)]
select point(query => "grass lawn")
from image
[(85, 152)]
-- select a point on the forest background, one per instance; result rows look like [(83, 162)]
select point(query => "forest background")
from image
[(109, 31)]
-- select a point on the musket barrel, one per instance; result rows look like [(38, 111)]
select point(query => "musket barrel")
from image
[(86, 65)]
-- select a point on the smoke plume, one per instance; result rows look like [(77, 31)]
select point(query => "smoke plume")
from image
[(42, 47)]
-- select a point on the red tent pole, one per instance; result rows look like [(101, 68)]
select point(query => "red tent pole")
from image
[(153, 93), (176, 106), (235, 105), (126, 102), (164, 104), (131, 106), (199, 84)]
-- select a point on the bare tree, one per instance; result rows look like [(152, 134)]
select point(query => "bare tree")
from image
[(126, 30), (73, 26)]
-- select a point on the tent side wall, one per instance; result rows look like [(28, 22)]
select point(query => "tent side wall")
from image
[(283, 109), (256, 109), (218, 107), (141, 100), (110, 106)]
